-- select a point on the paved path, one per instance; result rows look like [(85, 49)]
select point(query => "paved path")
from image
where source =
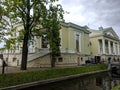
[(10, 69), (17, 69)]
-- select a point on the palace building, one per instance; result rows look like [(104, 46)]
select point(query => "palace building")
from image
[(74, 48), (79, 45), (104, 43)]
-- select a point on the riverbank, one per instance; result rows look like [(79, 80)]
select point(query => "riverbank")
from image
[(28, 78)]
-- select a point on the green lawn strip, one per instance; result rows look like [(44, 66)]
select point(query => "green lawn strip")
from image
[(31, 76), (116, 88)]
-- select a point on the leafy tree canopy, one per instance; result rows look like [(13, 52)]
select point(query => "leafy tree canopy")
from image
[(34, 15)]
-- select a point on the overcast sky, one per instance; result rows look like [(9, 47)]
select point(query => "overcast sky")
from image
[(94, 13)]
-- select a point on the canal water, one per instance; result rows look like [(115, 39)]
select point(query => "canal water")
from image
[(101, 81)]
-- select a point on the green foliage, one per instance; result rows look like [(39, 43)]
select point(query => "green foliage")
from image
[(7, 29), (116, 88), (8, 25), (33, 13), (25, 77), (52, 24)]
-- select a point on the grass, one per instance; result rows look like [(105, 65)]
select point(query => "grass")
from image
[(31, 76), (116, 88)]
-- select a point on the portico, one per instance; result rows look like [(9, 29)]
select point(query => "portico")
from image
[(105, 43), (108, 47)]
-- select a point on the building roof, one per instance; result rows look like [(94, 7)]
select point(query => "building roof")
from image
[(108, 32), (82, 28)]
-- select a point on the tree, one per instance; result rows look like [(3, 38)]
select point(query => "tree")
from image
[(7, 29), (32, 13), (52, 24), (9, 45), (7, 25)]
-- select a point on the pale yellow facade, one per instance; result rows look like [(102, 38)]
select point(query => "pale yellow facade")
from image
[(70, 56), (78, 45), (104, 43), (75, 49), (68, 39)]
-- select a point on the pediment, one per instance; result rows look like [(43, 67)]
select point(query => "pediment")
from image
[(110, 32)]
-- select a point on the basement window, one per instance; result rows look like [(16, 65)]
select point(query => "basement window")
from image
[(6, 59), (14, 59), (60, 59), (81, 59)]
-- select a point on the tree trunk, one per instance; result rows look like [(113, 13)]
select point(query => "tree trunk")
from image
[(26, 38), (53, 62), (53, 59), (24, 52)]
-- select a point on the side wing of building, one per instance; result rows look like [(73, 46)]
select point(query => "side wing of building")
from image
[(104, 44)]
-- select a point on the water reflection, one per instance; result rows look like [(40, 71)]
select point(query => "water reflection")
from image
[(94, 82)]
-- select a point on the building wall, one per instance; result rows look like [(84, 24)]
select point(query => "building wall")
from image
[(69, 56), (12, 59), (102, 35), (94, 42), (65, 60), (94, 46), (40, 62), (64, 39), (71, 41), (68, 41), (86, 44), (38, 43)]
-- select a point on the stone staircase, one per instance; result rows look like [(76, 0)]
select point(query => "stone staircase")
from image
[(42, 52)]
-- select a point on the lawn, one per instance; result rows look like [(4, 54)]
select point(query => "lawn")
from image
[(31, 76)]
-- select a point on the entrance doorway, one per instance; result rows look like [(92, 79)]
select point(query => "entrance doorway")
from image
[(97, 59), (78, 61), (44, 41)]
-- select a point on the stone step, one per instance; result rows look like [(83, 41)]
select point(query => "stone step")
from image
[(34, 56)]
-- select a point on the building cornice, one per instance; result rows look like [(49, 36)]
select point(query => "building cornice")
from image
[(76, 27), (106, 36)]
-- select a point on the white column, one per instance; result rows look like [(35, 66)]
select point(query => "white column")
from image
[(79, 42), (40, 43), (109, 47), (118, 49), (103, 46), (114, 48), (99, 52)]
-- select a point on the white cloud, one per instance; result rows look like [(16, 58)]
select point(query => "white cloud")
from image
[(74, 15), (93, 13)]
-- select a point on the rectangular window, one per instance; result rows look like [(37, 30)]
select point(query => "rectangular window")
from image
[(77, 42), (44, 41), (60, 59), (14, 59)]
